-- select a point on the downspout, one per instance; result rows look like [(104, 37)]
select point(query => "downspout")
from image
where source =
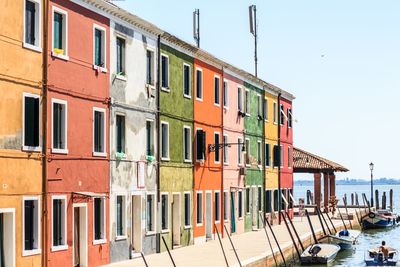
[(158, 130), (263, 163), (44, 133), (279, 165), (223, 155)]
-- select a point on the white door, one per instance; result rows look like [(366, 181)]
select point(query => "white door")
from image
[(7, 237), (208, 215), (80, 236), (137, 223), (176, 220)]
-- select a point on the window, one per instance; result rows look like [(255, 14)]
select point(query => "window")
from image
[(225, 146), (59, 126), (99, 130), (240, 204), (247, 152), (164, 140), (239, 150), (289, 161), (283, 199), (120, 133), (99, 46), (281, 156), (289, 114), (59, 213), (268, 201), (60, 38), (266, 109), (267, 155), (199, 207), (216, 90), (259, 198), (31, 122), (282, 115), (240, 100), (120, 56), (226, 202), (248, 200), (216, 142), (199, 84), (187, 155), (99, 219), (164, 212), (247, 102), (217, 208), (277, 157), (225, 94), (120, 215), (149, 138), (187, 209), (276, 200), (200, 145), (275, 113), (150, 67), (31, 224), (164, 72), (259, 107), (32, 24), (259, 153), (150, 212), (186, 80)]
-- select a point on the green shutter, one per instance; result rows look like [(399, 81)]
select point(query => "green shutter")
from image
[(98, 48), (58, 31)]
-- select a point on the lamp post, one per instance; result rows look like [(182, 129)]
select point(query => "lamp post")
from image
[(371, 167)]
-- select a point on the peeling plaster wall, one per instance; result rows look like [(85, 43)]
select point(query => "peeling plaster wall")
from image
[(130, 97)]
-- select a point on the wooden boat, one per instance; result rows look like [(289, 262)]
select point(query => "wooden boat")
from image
[(319, 254), (379, 219), (375, 257), (346, 239)]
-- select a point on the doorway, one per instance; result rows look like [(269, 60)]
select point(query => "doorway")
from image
[(80, 235), (208, 216), (254, 208), (137, 223), (233, 216), (7, 237), (176, 219)]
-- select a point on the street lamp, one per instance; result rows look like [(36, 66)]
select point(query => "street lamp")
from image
[(371, 167)]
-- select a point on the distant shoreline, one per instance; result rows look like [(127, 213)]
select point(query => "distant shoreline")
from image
[(380, 181)]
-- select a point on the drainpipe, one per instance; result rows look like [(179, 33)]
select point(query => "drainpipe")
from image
[(44, 133), (263, 149), (158, 130), (279, 165), (222, 219)]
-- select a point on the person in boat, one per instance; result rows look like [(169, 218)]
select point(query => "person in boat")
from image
[(383, 248)]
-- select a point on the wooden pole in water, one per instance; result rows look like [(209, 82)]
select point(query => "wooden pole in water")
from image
[(291, 235), (384, 200), (376, 199), (311, 227), (347, 212), (334, 228), (341, 217), (320, 220), (276, 241), (327, 226), (352, 199), (391, 199), (269, 240)]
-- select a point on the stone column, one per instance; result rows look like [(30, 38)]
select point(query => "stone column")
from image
[(332, 184), (326, 191), (317, 189)]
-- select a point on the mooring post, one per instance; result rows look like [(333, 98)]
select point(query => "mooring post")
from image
[(341, 217), (323, 218), (234, 249), (144, 259), (391, 199), (311, 227), (376, 199), (320, 220), (291, 235), (352, 199), (276, 241), (308, 197), (347, 213), (295, 231), (269, 240), (384, 200), (220, 243), (334, 228), (169, 253)]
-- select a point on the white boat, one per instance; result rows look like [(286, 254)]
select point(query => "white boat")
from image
[(375, 257), (345, 239), (319, 254)]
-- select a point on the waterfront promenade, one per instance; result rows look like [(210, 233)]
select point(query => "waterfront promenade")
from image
[(252, 248)]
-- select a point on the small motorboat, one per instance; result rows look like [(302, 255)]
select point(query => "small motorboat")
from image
[(375, 257), (319, 254), (346, 239), (379, 219)]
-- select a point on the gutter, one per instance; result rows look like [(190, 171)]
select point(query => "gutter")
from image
[(279, 165), (158, 245)]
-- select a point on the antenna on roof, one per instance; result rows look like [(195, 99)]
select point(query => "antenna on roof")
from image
[(196, 26), (253, 31)]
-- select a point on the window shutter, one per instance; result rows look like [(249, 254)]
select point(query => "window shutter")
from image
[(29, 225), (98, 48), (204, 146), (29, 121), (58, 26), (30, 11)]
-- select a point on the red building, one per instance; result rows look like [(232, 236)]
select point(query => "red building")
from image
[(77, 136), (286, 142)]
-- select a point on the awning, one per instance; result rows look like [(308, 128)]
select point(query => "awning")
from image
[(306, 162)]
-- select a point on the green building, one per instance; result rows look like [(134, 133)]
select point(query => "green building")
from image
[(175, 214), (254, 140)]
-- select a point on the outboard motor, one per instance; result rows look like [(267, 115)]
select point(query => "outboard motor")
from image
[(314, 250)]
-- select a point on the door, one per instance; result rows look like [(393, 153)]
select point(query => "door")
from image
[(76, 237), (208, 215), (233, 216), (137, 223), (176, 220), (254, 207), (2, 258), (7, 238), (80, 236)]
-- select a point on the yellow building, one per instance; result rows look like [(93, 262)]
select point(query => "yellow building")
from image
[(20, 132), (271, 140)]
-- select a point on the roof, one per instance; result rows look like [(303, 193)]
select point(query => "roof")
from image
[(305, 162)]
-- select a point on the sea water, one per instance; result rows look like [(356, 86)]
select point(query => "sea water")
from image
[(368, 238)]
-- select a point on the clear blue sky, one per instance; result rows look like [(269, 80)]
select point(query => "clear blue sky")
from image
[(341, 59)]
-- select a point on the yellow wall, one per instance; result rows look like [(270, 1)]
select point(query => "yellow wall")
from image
[(271, 137), (20, 71)]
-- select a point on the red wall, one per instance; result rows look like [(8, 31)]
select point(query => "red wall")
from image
[(286, 141)]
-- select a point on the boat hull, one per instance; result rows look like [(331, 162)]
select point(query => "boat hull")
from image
[(377, 222), (326, 254)]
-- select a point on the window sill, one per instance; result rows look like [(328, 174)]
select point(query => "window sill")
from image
[(187, 96), (152, 86), (60, 56), (59, 151), (59, 248), (99, 154), (199, 99), (217, 105), (99, 241), (99, 69), (226, 107), (165, 231), (121, 77), (187, 227), (120, 237), (150, 233), (26, 253), (187, 161), (226, 163), (165, 159), (32, 47), (165, 89), (31, 148)]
